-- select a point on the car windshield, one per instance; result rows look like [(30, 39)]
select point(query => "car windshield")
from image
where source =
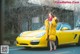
[(59, 26)]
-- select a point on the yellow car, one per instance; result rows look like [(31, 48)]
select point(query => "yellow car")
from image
[(37, 38)]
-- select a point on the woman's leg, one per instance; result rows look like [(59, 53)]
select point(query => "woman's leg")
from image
[(54, 45), (50, 45)]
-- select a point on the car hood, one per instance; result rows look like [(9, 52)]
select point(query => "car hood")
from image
[(32, 33)]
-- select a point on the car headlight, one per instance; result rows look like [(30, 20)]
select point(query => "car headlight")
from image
[(40, 35)]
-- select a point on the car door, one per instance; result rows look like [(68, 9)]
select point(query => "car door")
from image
[(66, 36)]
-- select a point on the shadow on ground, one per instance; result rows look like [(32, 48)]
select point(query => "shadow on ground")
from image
[(47, 49)]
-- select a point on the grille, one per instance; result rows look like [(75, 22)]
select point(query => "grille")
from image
[(34, 43), (23, 44)]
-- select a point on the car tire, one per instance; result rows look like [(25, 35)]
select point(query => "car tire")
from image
[(78, 41)]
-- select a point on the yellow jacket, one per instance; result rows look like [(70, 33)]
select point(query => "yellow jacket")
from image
[(51, 28)]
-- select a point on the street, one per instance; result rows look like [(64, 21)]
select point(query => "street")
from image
[(69, 49)]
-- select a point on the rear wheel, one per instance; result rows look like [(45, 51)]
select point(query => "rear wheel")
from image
[(78, 41)]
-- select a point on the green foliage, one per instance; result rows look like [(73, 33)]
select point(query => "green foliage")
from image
[(9, 2)]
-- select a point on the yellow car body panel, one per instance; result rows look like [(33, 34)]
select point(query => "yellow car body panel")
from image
[(68, 36), (30, 39)]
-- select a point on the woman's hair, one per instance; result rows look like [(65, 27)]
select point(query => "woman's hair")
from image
[(51, 14), (56, 20)]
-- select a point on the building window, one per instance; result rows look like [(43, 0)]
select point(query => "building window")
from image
[(35, 20)]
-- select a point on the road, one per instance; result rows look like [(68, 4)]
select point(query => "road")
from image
[(68, 49)]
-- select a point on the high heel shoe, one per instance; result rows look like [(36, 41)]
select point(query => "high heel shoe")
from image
[(50, 50), (54, 48)]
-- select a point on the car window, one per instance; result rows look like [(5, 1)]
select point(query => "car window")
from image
[(42, 28), (58, 26)]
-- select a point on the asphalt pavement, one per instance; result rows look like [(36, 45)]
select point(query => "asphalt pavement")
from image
[(65, 49)]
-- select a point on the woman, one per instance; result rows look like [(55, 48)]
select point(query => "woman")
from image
[(51, 24)]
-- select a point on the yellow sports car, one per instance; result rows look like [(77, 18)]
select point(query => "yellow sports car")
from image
[(37, 38)]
